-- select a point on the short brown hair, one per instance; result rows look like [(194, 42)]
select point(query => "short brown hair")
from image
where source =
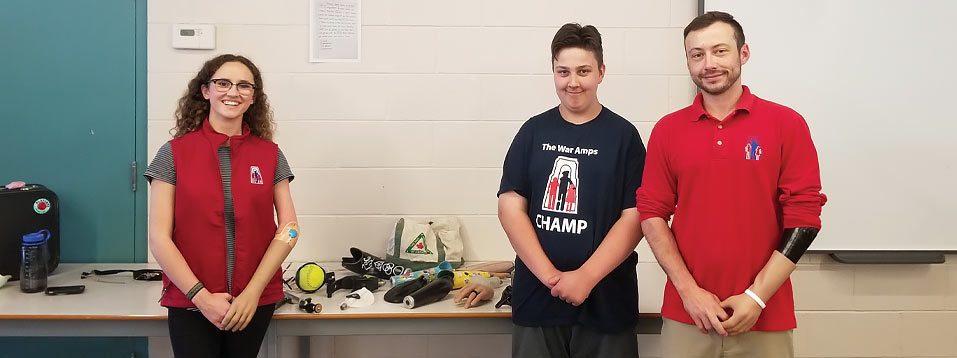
[(711, 17), (578, 36)]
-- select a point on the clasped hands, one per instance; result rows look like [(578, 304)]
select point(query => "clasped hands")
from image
[(225, 312), (711, 314), (573, 287)]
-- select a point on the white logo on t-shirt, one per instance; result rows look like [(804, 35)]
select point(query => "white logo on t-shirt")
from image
[(562, 187)]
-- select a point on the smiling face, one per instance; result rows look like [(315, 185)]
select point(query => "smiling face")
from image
[(231, 104), (714, 61), (577, 75)]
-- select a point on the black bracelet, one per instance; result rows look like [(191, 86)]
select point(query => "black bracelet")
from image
[(193, 291)]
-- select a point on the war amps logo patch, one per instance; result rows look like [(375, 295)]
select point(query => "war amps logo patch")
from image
[(752, 149), (255, 177), (561, 190)]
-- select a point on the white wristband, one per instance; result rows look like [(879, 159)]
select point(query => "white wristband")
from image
[(755, 298)]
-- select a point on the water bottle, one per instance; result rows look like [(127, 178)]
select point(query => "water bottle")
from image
[(33, 262)]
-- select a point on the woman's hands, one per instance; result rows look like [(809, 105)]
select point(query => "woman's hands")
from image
[(213, 306), (241, 311)]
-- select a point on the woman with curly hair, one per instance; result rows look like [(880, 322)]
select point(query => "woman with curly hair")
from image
[(211, 224)]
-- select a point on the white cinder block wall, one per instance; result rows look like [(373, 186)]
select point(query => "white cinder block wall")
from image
[(421, 125)]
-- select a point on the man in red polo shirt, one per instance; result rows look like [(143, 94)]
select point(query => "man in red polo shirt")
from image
[(740, 176)]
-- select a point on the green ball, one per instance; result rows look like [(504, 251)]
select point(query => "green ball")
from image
[(310, 277)]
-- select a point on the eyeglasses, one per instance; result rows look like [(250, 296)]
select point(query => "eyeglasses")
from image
[(223, 85)]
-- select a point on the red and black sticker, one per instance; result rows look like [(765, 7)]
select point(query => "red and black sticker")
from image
[(41, 206)]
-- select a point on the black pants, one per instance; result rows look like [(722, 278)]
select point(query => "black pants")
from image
[(572, 341), (192, 335)]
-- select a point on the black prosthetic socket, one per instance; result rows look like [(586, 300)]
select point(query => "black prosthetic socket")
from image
[(433, 291), (398, 292), (795, 241)]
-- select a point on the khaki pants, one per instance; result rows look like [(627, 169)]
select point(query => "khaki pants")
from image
[(679, 340)]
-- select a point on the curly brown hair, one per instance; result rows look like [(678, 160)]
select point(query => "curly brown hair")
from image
[(194, 108)]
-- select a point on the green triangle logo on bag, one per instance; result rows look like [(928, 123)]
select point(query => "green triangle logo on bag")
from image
[(418, 246)]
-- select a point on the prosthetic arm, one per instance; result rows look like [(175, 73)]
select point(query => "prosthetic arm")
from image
[(794, 242), (289, 234)]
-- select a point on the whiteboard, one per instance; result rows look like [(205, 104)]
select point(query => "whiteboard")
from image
[(876, 82)]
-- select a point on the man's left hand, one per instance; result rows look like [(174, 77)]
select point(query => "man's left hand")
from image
[(745, 314)]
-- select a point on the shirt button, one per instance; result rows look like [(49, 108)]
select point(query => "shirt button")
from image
[(720, 126), (719, 142)]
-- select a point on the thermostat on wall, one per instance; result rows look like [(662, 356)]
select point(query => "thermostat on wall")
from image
[(193, 36)]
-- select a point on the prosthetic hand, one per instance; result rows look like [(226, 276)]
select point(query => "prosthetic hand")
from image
[(477, 290), (745, 313), (241, 311)]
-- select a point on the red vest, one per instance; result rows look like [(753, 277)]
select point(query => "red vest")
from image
[(199, 225)]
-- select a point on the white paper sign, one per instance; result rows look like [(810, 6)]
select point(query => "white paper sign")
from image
[(334, 30)]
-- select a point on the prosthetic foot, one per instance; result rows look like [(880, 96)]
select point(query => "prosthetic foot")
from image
[(364, 263)]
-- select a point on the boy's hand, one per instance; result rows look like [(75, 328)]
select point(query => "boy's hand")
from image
[(572, 286), (550, 278)]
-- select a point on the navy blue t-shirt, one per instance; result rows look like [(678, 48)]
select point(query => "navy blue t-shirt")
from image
[(577, 179)]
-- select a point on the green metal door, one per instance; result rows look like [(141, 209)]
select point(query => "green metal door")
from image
[(68, 107), (72, 117)]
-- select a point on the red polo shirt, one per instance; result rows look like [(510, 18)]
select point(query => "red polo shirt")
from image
[(732, 186)]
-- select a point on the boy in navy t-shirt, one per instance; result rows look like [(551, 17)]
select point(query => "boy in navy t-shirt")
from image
[(567, 204)]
